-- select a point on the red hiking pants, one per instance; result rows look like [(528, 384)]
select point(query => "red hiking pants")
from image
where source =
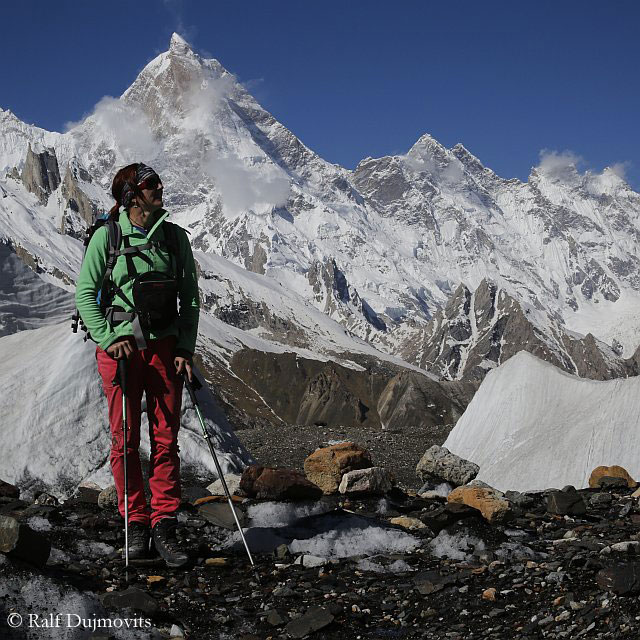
[(151, 370)]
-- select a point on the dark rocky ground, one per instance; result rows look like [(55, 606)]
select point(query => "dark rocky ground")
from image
[(543, 575), (395, 449)]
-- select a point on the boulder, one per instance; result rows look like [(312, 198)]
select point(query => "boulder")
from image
[(489, 502), (108, 498), (326, 466), (233, 484), (46, 499), (8, 490), (621, 579), (88, 492), (219, 513), (313, 619), (193, 492), (438, 464), (408, 523), (447, 514), (20, 541), (566, 503), (372, 480), (612, 482), (268, 483), (131, 598), (614, 471)]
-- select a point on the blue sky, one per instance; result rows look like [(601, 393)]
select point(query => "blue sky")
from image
[(361, 78)]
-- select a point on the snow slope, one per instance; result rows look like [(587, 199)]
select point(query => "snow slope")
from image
[(54, 429), (532, 426)]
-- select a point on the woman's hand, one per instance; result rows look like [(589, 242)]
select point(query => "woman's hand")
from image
[(183, 364), (120, 349)]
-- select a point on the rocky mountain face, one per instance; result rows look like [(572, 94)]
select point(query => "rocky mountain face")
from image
[(477, 331), (40, 173), (375, 395)]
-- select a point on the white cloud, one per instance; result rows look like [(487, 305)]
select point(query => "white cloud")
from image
[(559, 164), (620, 169), (244, 176), (566, 165), (245, 184), (125, 126)]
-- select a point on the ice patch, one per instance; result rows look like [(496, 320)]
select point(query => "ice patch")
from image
[(397, 566), (354, 542), (459, 546), (383, 507), (38, 523), (41, 596), (93, 549), (279, 514)]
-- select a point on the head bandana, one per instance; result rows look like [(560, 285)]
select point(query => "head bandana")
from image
[(142, 173)]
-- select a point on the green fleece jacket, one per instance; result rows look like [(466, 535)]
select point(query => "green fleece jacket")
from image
[(92, 273)]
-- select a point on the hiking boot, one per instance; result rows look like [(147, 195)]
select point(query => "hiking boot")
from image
[(166, 543), (139, 537)]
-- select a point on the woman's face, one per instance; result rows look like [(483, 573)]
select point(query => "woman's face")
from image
[(151, 197)]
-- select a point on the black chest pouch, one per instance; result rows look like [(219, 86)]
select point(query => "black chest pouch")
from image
[(155, 296)]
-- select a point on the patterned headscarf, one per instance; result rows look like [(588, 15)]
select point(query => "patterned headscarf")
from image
[(128, 191)]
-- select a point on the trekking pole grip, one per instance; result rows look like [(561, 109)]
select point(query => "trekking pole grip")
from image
[(190, 389), (122, 373)]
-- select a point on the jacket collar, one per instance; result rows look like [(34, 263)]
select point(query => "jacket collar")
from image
[(127, 227)]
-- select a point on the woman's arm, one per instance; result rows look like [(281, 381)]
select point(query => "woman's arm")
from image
[(88, 285)]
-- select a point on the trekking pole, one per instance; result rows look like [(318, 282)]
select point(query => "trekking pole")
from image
[(191, 386), (122, 377)]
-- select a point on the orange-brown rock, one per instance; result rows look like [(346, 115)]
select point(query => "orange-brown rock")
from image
[(326, 466), (488, 501), (268, 483), (614, 471)]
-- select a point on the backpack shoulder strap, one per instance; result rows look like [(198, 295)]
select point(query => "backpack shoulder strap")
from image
[(173, 245), (114, 231)]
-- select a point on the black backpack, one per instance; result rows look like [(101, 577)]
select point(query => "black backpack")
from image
[(108, 288)]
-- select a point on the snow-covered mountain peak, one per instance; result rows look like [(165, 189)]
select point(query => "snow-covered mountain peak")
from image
[(428, 146), (470, 162), (179, 45)]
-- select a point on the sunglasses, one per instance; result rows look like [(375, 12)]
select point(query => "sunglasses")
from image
[(151, 182)]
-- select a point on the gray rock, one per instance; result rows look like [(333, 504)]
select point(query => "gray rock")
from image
[(274, 618), (20, 541), (88, 492), (233, 484), (600, 500), (621, 579), (219, 513), (438, 463), (372, 480), (131, 598), (611, 482), (8, 490), (308, 560), (192, 493), (627, 546), (108, 498), (519, 499), (315, 618), (565, 503), (46, 499)]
